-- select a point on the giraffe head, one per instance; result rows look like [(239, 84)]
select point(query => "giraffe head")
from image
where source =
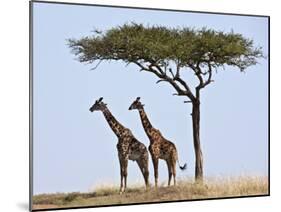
[(98, 105), (136, 105)]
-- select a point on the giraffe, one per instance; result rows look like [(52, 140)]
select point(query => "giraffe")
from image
[(160, 147), (128, 147)]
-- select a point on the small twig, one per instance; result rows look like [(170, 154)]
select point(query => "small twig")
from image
[(165, 69), (96, 66), (178, 71), (172, 73), (128, 63), (162, 80), (205, 73)]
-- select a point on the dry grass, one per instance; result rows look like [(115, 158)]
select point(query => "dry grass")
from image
[(185, 190)]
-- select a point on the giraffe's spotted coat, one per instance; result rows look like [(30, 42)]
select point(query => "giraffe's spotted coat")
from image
[(128, 147), (160, 147)]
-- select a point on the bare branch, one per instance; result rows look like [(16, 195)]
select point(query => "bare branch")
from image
[(148, 69), (172, 73), (163, 77), (178, 71), (209, 80), (154, 64), (162, 80), (198, 73), (96, 66), (183, 83), (140, 65)]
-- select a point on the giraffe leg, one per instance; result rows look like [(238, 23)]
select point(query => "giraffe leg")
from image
[(121, 176), (125, 173), (143, 165), (121, 184), (155, 165), (146, 173), (173, 168), (169, 171), (139, 162)]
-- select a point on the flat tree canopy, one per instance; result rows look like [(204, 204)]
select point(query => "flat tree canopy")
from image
[(157, 44)]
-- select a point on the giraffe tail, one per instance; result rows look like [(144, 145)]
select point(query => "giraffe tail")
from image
[(182, 167)]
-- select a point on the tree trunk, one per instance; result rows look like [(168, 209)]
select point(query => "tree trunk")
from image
[(196, 141)]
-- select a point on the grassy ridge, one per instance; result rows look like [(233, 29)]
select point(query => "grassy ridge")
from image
[(185, 190)]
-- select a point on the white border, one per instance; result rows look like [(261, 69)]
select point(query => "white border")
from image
[(14, 95)]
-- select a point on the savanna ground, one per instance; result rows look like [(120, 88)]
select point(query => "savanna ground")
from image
[(185, 190)]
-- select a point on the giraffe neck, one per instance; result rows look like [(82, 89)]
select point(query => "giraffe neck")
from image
[(145, 122), (116, 127)]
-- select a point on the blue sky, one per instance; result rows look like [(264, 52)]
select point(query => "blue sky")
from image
[(75, 150)]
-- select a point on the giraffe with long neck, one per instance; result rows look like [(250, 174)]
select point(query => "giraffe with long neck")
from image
[(160, 147), (128, 147)]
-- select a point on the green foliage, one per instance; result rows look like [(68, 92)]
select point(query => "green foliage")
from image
[(158, 44)]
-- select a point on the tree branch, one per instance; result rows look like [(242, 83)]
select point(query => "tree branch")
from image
[(162, 80), (183, 83), (154, 64), (198, 73), (209, 80), (148, 69), (163, 77), (210, 71), (97, 65), (178, 71), (172, 73)]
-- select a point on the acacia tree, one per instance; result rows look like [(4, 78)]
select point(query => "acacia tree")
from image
[(166, 53)]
